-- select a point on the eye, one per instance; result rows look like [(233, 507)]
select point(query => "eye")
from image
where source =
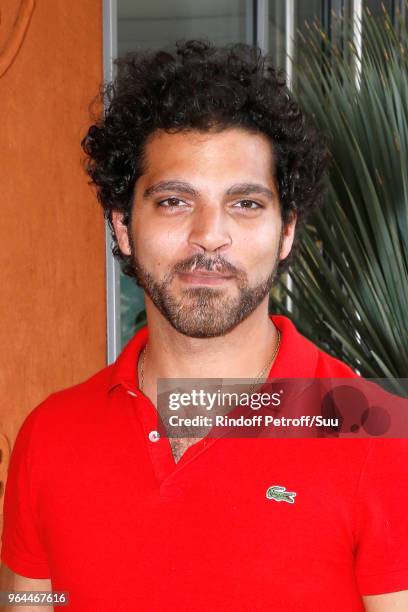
[(171, 203), (248, 205)]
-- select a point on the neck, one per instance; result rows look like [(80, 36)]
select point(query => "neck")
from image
[(242, 353)]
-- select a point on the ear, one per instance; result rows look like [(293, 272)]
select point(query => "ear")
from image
[(288, 235), (121, 232)]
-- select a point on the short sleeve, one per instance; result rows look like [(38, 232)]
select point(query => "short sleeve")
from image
[(22, 547), (381, 556)]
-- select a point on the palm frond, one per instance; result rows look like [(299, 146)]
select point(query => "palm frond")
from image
[(350, 283)]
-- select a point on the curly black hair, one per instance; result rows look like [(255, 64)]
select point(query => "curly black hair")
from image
[(198, 86)]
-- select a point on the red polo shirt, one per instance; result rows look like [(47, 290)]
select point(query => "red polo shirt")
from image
[(100, 507)]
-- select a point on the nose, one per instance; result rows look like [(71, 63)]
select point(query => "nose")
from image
[(210, 230)]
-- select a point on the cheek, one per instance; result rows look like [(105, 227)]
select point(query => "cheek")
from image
[(258, 259), (149, 236), (263, 247), (157, 250), (264, 259)]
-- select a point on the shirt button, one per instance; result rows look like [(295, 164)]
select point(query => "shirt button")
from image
[(154, 436), (132, 393)]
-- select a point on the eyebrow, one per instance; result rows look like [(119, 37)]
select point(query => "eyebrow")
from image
[(248, 188), (177, 186), (186, 188)]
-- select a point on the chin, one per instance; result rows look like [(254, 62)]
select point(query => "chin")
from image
[(200, 332)]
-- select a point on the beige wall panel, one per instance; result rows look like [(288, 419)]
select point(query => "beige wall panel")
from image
[(52, 268)]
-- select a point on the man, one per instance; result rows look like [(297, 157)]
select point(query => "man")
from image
[(205, 168)]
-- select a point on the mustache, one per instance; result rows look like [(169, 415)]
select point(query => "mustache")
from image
[(218, 264)]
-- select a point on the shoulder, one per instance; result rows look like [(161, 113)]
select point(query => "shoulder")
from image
[(66, 409), (84, 393), (329, 366), (300, 357)]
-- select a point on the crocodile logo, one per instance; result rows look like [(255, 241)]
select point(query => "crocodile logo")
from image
[(279, 493)]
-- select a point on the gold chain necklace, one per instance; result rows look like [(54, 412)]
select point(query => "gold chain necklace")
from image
[(258, 378), (269, 364)]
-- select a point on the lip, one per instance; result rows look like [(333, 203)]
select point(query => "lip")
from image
[(199, 277)]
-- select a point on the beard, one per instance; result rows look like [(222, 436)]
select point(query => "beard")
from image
[(204, 312)]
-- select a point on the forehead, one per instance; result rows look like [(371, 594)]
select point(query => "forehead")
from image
[(232, 152)]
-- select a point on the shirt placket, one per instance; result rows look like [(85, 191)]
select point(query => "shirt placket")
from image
[(158, 446)]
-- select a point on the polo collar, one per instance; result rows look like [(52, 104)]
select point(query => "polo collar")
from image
[(297, 356), (124, 369)]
